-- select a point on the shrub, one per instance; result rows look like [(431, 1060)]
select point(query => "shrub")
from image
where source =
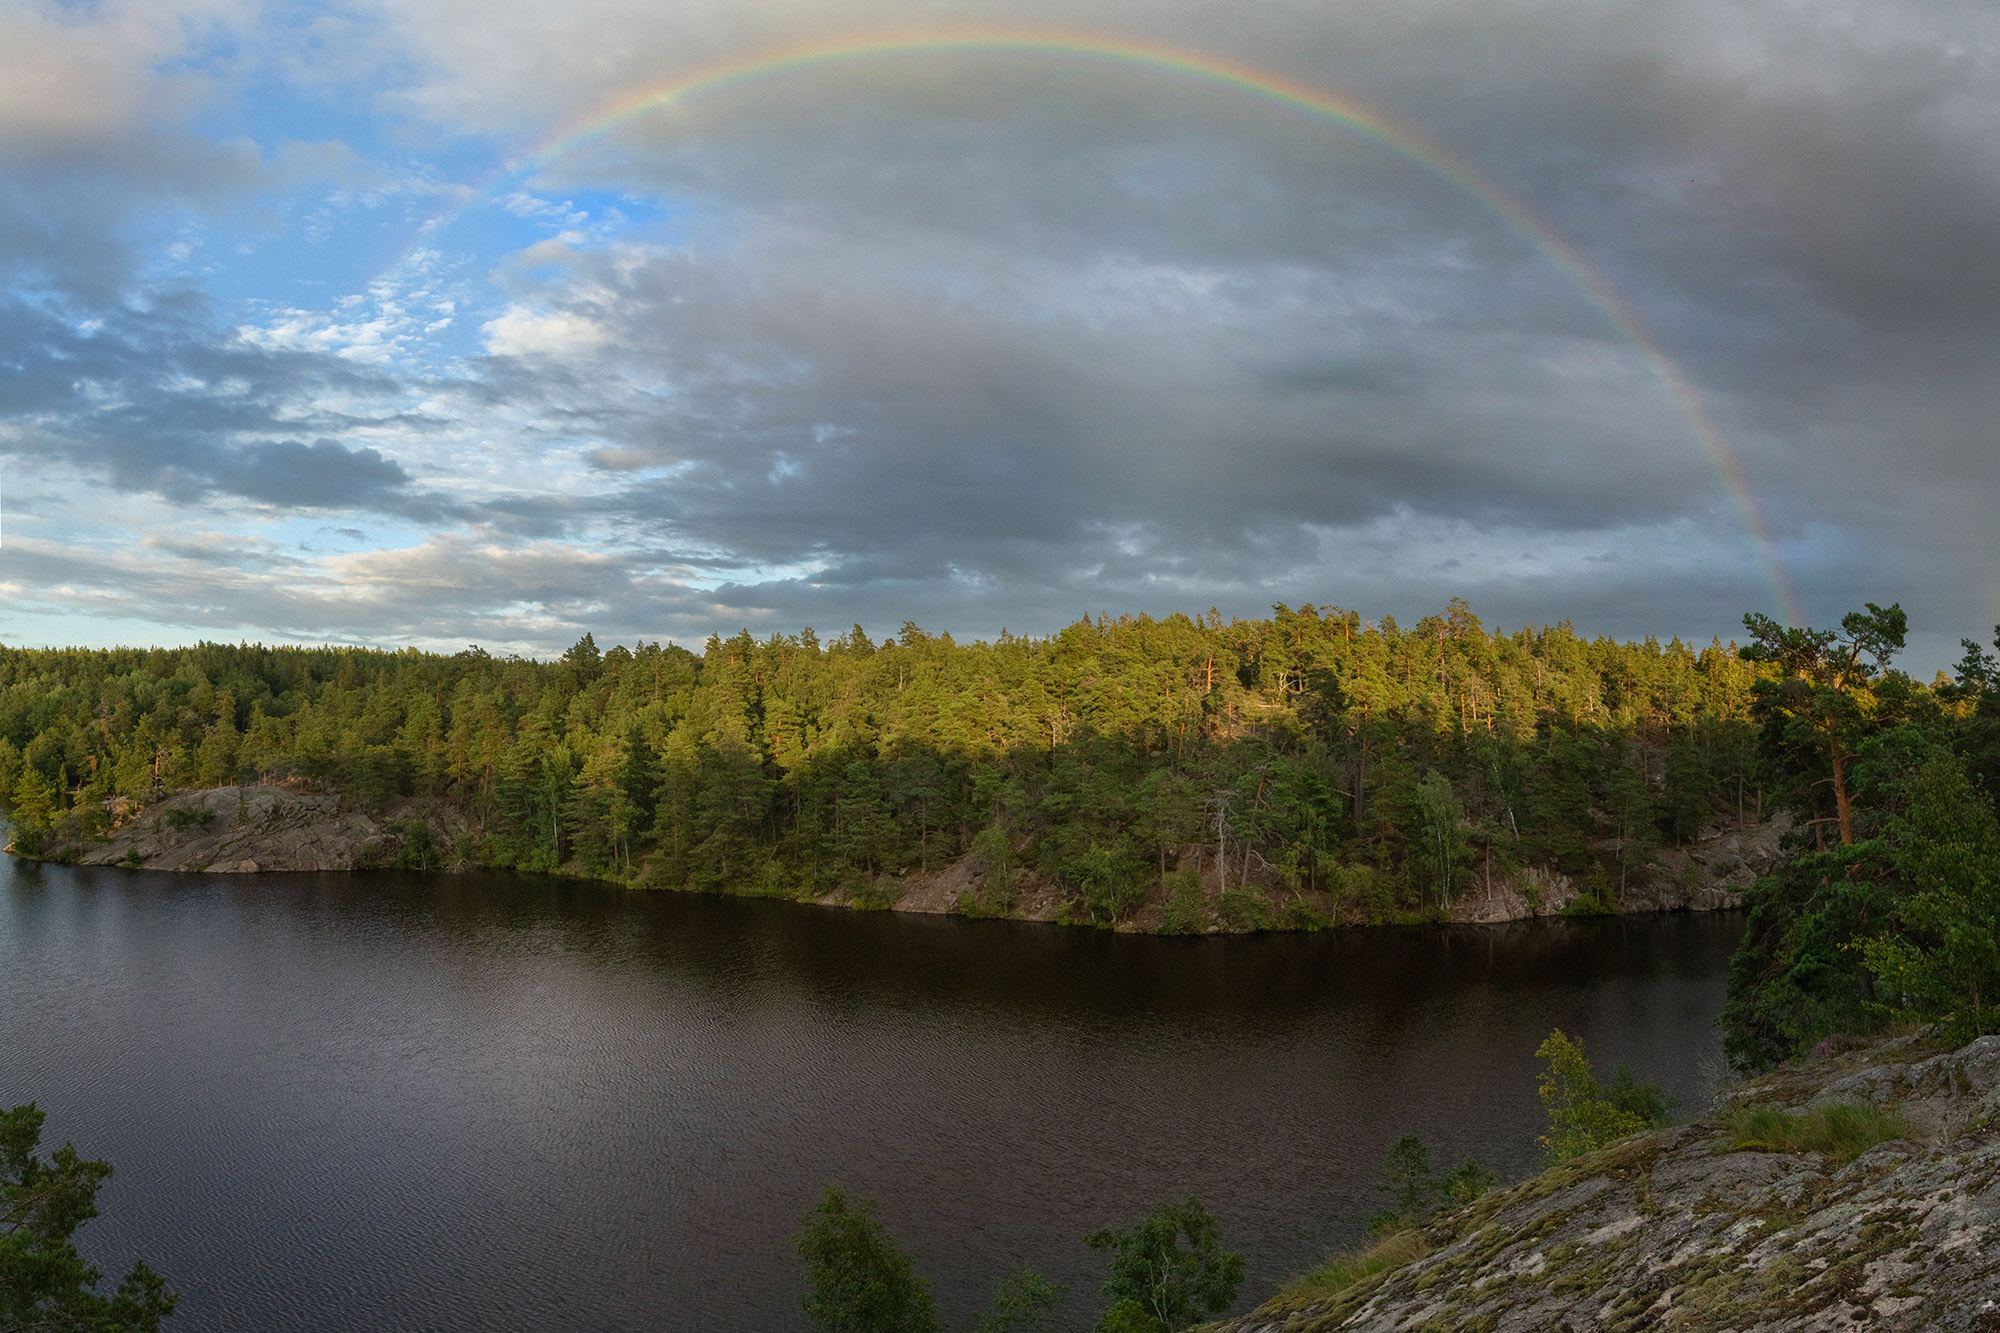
[(1110, 883), (1419, 1195), (1584, 1115), (995, 855), (1186, 911), (420, 850), (871, 893), (861, 1282), (1023, 1302), (1157, 1283), (1244, 908)]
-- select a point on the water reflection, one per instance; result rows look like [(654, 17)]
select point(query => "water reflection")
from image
[(401, 1101)]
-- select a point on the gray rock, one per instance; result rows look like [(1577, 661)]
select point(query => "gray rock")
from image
[(1674, 1230), (244, 830)]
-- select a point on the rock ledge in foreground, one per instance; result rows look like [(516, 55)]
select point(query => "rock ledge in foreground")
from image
[(1674, 1230)]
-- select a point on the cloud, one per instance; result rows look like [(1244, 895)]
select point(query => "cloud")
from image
[(520, 332), (984, 338)]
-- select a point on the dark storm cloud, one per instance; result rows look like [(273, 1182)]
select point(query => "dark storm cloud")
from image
[(1796, 200), (879, 422)]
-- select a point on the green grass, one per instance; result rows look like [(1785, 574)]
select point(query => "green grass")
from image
[(1842, 1130), (1338, 1272)]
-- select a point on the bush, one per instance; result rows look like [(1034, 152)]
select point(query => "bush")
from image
[(420, 850), (1244, 908), (1110, 883), (870, 893), (1301, 915), (861, 1282), (1842, 1130), (1022, 1303), (1419, 1195), (1186, 911), (1594, 898), (1157, 1283), (1583, 1115), (1364, 889), (995, 857)]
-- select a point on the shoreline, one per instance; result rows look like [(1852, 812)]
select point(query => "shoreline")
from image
[(258, 829)]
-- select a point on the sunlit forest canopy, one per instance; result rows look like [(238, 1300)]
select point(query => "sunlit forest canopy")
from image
[(1315, 739)]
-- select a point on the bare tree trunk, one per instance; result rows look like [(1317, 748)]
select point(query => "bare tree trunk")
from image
[(1840, 790)]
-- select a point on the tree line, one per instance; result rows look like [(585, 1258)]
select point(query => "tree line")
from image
[(1307, 767), (1888, 910)]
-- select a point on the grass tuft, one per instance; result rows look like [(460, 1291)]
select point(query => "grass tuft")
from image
[(1842, 1130), (1338, 1272)]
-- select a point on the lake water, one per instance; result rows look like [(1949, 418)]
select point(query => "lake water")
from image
[(487, 1102)]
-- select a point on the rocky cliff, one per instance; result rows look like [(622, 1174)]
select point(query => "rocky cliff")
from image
[(1710, 874), (235, 830), (1686, 1228)]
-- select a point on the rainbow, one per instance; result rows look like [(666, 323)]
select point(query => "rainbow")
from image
[(1263, 84)]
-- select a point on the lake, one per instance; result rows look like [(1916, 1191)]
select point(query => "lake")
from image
[(485, 1101)]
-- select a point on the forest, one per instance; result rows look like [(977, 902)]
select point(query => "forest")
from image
[(1323, 765)]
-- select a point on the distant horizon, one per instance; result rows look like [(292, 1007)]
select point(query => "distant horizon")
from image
[(1928, 654)]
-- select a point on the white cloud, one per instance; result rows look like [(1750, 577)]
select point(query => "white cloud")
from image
[(522, 332)]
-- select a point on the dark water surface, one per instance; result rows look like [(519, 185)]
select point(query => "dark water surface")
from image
[(485, 1102)]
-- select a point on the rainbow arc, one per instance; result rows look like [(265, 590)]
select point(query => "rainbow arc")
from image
[(1266, 85)]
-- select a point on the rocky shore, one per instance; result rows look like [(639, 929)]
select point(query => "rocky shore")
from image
[(1687, 1229), (241, 830)]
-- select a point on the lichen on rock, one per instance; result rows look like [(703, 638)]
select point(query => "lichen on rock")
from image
[(1683, 1229)]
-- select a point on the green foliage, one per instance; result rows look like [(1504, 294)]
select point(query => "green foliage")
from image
[(1245, 908), (860, 1281), (1338, 1272), (1647, 1101), (1827, 688), (1110, 883), (1841, 1130), (1442, 840), (420, 849), (45, 1284), (995, 854), (1023, 1302), (1168, 1271), (1338, 766), (1186, 911), (1417, 1194), (1940, 959), (1594, 898), (1406, 1178), (1583, 1115), (1900, 924)]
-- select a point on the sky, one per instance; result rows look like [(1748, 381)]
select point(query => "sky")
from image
[(373, 322)]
